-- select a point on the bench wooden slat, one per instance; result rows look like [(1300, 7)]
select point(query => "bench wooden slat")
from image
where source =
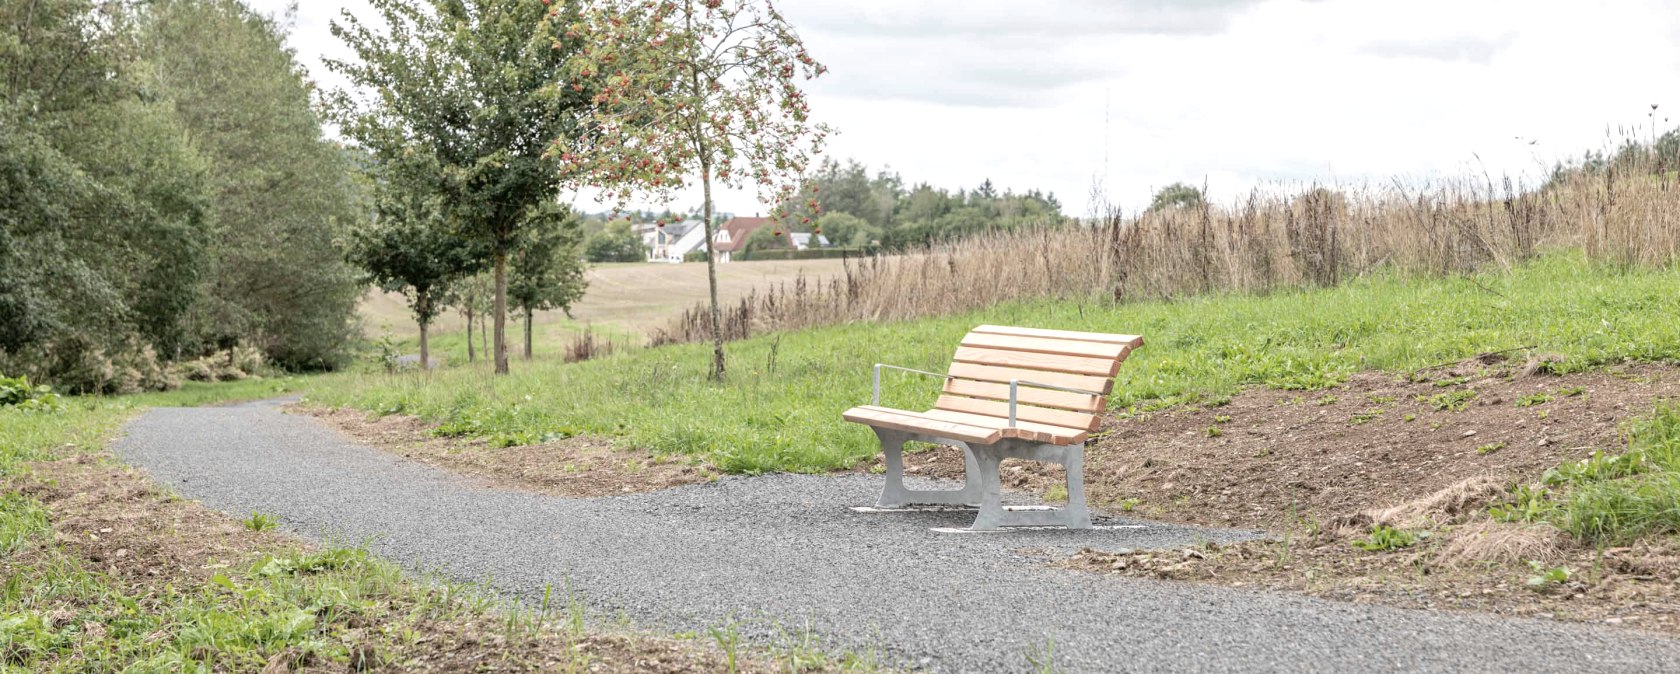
[(1042, 415), (1060, 347), (1078, 402), (901, 420), (1101, 367), (1006, 374), (1132, 341), (1025, 430)]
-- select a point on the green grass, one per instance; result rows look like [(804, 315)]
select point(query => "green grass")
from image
[(1611, 498), (780, 409)]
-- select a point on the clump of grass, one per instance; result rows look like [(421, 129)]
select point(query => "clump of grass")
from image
[(1214, 431), (1366, 416), (1490, 448), (1384, 538), (1454, 401), (1606, 498), (1533, 399), (260, 522)]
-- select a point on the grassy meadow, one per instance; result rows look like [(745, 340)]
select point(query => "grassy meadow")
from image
[(623, 302), (780, 408)]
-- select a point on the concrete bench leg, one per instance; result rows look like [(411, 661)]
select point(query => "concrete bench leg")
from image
[(894, 495), (993, 515)]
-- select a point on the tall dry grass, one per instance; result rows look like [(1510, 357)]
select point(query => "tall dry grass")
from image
[(1269, 240)]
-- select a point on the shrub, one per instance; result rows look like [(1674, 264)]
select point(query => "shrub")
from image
[(18, 392)]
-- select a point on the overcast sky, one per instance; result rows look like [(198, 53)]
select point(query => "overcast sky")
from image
[(1061, 95)]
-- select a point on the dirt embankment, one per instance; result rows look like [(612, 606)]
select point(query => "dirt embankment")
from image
[(1426, 454)]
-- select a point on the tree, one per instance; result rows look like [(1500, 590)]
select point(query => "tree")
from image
[(281, 193), (475, 85), (1177, 195), (768, 237), (407, 247), (615, 243), (547, 272), (845, 229), (690, 88)]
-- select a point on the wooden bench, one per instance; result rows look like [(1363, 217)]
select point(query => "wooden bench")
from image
[(1019, 393)]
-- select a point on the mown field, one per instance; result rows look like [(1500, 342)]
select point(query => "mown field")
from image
[(780, 408), (623, 301)]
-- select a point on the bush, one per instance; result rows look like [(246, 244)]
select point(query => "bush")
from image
[(18, 392), (239, 362)]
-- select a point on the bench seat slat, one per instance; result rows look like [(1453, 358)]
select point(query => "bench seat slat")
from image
[(1004, 375), (1026, 430), (1078, 402), (1132, 341), (884, 417), (1042, 415), (1059, 347), (1100, 367)]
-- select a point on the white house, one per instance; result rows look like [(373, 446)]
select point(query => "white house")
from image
[(673, 241)]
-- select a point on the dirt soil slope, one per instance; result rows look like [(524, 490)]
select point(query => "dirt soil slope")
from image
[(1280, 459)]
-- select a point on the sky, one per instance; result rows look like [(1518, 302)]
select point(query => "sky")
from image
[(1108, 100)]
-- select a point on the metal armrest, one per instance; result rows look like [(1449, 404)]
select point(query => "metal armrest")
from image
[(1014, 389), (875, 399)]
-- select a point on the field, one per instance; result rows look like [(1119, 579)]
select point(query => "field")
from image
[(623, 301)]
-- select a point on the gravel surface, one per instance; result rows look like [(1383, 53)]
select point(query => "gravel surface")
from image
[(785, 552)]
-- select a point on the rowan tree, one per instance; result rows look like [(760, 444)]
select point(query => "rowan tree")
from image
[(683, 90)]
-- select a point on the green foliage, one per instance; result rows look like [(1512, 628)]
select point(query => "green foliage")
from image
[(1545, 578), (149, 212), (18, 392), (1452, 401), (280, 197), (1177, 195), (1611, 498), (857, 210), (1198, 348), (615, 243), (476, 91), (408, 246), (1526, 504), (547, 269), (1384, 538), (260, 522), (1533, 399)]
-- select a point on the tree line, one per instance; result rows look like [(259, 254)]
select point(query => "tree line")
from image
[(853, 208), (165, 193)]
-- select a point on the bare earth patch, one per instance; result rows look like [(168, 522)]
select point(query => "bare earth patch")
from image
[(577, 467), (1429, 452), (115, 521)]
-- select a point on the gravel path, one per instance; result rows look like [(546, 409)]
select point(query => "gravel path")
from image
[(784, 550)]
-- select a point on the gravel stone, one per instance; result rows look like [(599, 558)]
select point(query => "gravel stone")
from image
[(783, 554)]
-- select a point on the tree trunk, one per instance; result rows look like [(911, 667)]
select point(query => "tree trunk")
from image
[(528, 314), (711, 271), (472, 357), (423, 302), (500, 345)]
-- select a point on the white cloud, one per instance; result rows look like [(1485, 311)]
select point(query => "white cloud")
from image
[(1141, 93)]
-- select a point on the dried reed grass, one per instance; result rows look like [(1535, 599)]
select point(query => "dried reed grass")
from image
[(1264, 242)]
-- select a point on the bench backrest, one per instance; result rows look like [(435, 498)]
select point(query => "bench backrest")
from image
[(992, 355)]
